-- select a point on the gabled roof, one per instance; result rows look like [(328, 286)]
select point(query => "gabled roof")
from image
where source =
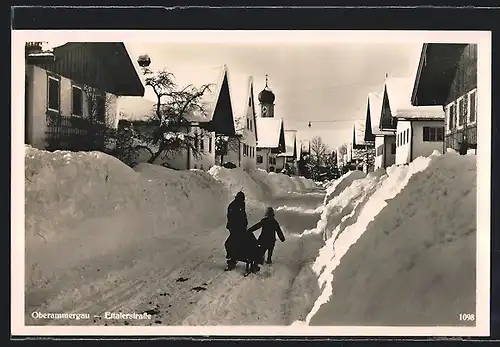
[(436, 70), (373, 113), (218, 106), (269, 130), (250, 96), (420, 113), (290, 143), (215, 78), (122, 78), (398, 92)]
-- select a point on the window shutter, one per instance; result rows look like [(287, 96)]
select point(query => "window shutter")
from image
[(426, 134)]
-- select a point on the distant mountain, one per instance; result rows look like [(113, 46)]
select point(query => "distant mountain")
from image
[(132, 107)]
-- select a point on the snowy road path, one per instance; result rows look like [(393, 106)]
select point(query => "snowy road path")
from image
[(179, 279)]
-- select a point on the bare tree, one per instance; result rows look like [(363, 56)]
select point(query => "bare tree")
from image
[(166, 131), (319, 151), (101, 115), (224, 144)]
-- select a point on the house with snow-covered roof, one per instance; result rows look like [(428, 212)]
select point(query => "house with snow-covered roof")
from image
[(270, 134), (71, 93), (447, 77), (396, 94), (216, 120), (243, 147), (290, 154), (420, 131)]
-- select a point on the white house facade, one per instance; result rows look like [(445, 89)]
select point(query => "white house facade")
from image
[(420, 131), (63, 94)]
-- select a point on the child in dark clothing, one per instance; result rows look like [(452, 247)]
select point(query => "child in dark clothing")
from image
[(267, 239)]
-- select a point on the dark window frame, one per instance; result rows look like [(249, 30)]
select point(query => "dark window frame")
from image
[(58, 80), (80, 88)]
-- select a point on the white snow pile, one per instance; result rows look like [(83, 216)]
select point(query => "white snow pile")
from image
[(309, 183), (409, 257), (298, 209), (338, 185), (80, 205), (270, 182), (236, 180), (282, 181)]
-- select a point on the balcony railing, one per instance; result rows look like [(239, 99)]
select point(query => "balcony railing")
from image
[(75, 134)]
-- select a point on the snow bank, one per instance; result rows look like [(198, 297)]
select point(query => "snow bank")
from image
[(236, 180), (338, 185), (282, 181), (309, 183), (80, 205), (409, 256)]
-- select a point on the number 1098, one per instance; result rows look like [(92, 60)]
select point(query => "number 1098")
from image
[(467, 316)]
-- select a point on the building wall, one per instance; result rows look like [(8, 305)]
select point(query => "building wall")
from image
[(390, 154), (37, 102), (403, 146), (463, 92), (379, 154), (461, 120), (423, 148), (234, 151), (248, 160), (264, 153)]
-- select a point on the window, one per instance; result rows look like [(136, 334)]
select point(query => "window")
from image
[(473, 109), (460, 112), (272, 160), (379, 151), (248, 123), (101, 107), (452, 118), (259, 159), (407, 135), (433, 134), (210, 144), (393, 148), (196, 141), (249, 102), (465, 111), (202, 143), (251, 125), (54, 94), (77, 101)]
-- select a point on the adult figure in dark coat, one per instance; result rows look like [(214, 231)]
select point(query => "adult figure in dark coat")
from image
[(237, 223)]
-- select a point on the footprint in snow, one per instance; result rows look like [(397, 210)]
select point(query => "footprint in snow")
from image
[(181, 279), (198, 289)]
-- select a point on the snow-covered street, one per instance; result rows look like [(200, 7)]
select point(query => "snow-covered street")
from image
[(179, 278), (151, 241)]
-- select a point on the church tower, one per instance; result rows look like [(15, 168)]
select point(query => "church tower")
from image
[(266, 100)]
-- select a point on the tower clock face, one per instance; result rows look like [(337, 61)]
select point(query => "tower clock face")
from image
[(264, 111)]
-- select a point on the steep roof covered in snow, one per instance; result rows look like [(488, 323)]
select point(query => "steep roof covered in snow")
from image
[(374, 111), (420, 113), (398, 92), (218, 104), (270, 130), (241, 113), (290, 143)]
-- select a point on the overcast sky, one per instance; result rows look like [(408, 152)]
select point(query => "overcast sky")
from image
[(317, 81)]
